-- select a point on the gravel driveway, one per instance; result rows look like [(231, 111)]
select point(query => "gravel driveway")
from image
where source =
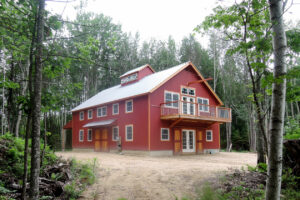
[(162, 178)]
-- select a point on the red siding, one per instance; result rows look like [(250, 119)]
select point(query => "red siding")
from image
[(157, 97), (144, 72), (138, 118)]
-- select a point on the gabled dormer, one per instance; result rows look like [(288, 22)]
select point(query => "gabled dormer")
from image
[(136, 74)]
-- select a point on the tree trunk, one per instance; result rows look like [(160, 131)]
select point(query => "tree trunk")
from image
[(252, 137), (261, 158), (228, 137), (29, 113), (278, 102), (36, 110)]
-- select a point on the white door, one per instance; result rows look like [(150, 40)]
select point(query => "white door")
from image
[(188, 105), (188, 141)]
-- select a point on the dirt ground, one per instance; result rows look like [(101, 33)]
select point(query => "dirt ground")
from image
[(137, 177)]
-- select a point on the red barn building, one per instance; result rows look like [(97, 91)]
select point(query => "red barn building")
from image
[(174, 111)]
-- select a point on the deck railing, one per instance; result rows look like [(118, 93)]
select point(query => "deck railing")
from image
[(191, 109)]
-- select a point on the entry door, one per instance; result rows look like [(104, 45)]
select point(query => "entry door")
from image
[(97, 140), (104, 140), (188, 141), (188, 105)]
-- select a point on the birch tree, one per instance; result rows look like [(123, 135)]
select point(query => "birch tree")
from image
[(278, 101)]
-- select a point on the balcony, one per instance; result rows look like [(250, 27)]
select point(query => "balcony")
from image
[(190, 111)]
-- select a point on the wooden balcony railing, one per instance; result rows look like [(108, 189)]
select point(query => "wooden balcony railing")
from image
[(184, 109)]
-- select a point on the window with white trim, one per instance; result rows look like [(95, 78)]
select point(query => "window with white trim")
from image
[(129, 132), (129, 106), (188, 91), (201, 104), (81, 135), (102, 111), (90, 114), (164, 134), (81, 115), (209, 135), (115, 133), (90, 135), (171, 97), (115, 108)]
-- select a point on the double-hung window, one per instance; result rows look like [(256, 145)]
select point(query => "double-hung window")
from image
[(129, 132), (129, 106), (173, 98), (115, 109), (81, 115), (90, 135), (115, 135), (90, 114), (202, 102), (102, 111), (165, 134), (209, 135), (81, 135)]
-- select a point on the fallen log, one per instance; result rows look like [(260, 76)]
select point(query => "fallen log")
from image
[(291, 158)]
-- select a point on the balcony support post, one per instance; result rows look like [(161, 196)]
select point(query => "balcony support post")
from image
[(175, 122)]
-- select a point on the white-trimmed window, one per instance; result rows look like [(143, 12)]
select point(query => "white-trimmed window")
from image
[(81, 135), (115, 108), (115, 133), (164, 134), (129, 106), (81, 115), (129, 132), (209, 135), (90, 114), (201, 104), (90, 135), (188, 91), (102, 111), (171, 97)]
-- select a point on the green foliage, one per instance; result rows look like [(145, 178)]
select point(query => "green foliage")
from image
[(208, 193), (261, 167), (292, 128)]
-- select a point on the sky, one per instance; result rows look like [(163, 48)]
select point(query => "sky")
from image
[(154, 18)]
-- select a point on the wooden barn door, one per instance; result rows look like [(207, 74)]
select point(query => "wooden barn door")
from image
[(177, 143), (199, 142), (97, 140), (104, 140)]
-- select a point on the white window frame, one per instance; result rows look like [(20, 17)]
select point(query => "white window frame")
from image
[(126, 111), (161, 134), (202, 110), (188, 91), (90, 110), (81, 112), (81, 131), (166, 103), (101, 108), (117, 127), (113, 111), (128, 140), (211, 132), (90, 131)]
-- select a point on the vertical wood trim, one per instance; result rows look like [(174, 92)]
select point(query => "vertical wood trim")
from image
[(219, 136), (149, 127)]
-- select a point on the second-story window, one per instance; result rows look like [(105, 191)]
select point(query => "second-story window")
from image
[(129, 106), (90, 114), (202, 104), (173, 98), (81, 115), (188, 91), (102, 111), (115, 109)]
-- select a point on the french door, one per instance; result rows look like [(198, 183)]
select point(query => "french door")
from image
[(188, 141), (188, 105)]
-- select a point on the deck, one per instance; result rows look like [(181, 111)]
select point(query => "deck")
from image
[(193, 112)]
